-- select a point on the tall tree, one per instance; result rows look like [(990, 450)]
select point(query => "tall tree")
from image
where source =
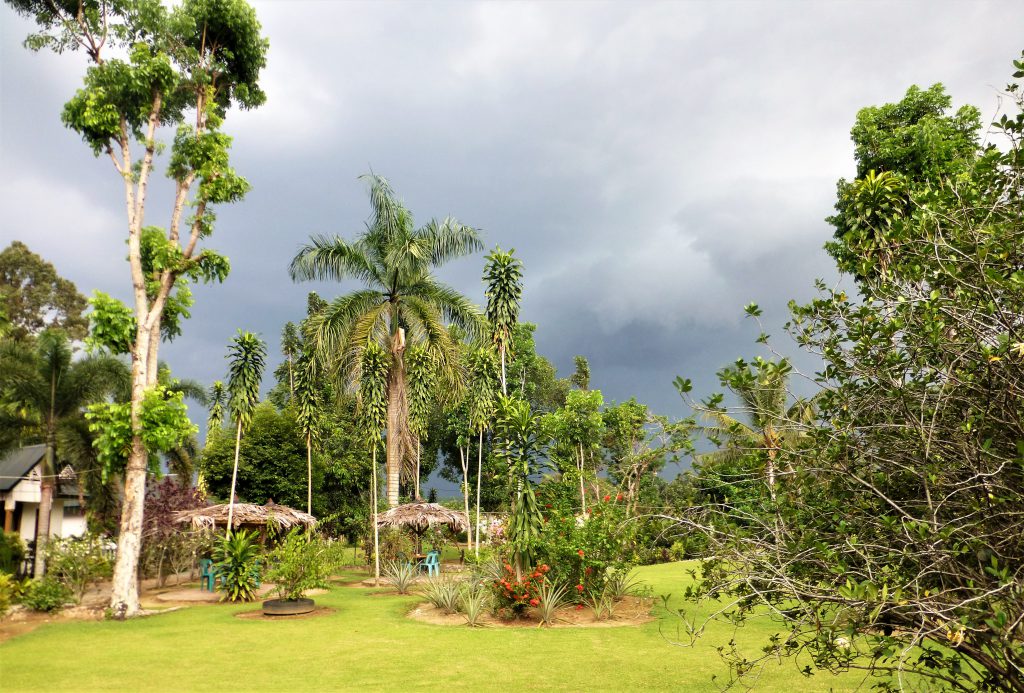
[(308, 405), (578, 427), (420, 372), (482, 379), (48, 391), (179, 66), (291, 346), (581, 375), (402, 304), (247, 356), (36, 297), (503, 277), (373, 410)]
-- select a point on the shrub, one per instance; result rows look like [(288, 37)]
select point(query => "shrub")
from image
[(402, 574), (602, 603), (514, 594), (12, 552), (47, 594), (444, 593), (237, 561), (474, 600), (6, 593), (552, 596), (297, 564), (77, 562), (620, 584)]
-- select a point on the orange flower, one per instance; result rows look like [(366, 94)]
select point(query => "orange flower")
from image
[(580, 552)]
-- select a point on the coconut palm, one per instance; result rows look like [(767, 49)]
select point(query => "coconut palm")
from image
[(45, 390), (503, 276), (773, 426), (402, 304), (247, 356)]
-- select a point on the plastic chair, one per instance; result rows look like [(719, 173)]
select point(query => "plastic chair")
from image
[(431, 564), (207, 575)]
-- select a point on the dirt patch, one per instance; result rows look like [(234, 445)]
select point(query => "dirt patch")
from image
[(21, 620), (258, 615), (631, 611)]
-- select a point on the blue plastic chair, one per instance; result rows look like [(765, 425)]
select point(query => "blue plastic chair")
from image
[(207, 575), (431, 564)]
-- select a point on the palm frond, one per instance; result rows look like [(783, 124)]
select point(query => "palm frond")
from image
[(333, 258), (450, 239)]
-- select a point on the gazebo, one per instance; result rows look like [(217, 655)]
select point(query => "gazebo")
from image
[(420, 517), (246, 515)]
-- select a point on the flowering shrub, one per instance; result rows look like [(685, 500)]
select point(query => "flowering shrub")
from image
[(514, 595), (584, 550)]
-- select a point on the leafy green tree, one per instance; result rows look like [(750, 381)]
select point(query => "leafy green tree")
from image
[(898, 148), (291, 348), (246, 359), (36, 298), (581, 376), (308, 409), (503, 278), (181, 67), (46, 392), (577, 429), (402, 305), (904, 525)]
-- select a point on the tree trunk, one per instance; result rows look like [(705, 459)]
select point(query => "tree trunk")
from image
[(309, 474), (396, 428), (47, 482), (376, 530), (583, 493), (479, 475), (504, 387), (418, 468), (465, 495), (234, 480)]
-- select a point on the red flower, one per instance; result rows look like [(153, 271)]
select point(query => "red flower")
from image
[(580, 552), (588, 570), (544, 568), (534, 602), (579, 588), (618, 497), (607, 498), (579, 607)]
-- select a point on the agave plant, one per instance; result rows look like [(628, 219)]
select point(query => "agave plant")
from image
[(236, 558), (402, 575), (444, 593), (621, 584), (475, 599), (602, 603), (552, 596)]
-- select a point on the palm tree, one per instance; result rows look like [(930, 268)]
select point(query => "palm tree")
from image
[(291, 346), (481, 369), (503, 276), (46, 391), (401, 304), (247, 355), (373, 412), (773, 425), (307, 398)]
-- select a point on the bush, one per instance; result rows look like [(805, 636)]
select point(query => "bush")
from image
[(12, 552), (513, 595), (444, 593), (402, 574), (47, 595), (77, 562), (237, 561), (298, 564), (6, 593)]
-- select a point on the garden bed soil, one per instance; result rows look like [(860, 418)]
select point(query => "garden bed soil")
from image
[(631, 611), (258, 615)]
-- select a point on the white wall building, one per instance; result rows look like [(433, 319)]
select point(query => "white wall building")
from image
[(19, 491)]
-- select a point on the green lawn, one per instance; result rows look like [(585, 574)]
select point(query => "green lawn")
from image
[(369, 644)]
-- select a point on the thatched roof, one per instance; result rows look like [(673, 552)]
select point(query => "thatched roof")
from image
[(420, 516), (246, 515)]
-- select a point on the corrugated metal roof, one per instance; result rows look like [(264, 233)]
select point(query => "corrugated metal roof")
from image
[(16, 464)]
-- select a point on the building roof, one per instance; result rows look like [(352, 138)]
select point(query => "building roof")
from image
[(17, 464)]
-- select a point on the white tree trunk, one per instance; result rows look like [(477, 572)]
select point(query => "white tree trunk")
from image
[(376, 530), (309, 474), (583, 493), (234, 481), (465, 496), (479, 475)]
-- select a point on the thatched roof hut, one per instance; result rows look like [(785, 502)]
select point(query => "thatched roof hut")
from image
[(247, 515), (421, 516)]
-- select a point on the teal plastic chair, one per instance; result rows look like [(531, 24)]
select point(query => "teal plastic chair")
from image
[(207, 575), (431, 564)]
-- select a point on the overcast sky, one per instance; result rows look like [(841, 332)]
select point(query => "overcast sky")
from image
[(655, 165)]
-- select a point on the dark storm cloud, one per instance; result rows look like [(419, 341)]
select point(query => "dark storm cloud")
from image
[(656, 165)]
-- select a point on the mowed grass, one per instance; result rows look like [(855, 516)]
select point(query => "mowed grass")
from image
[(369, 643)]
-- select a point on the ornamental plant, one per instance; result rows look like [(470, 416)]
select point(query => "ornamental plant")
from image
[(514, 595), (77, 563), (297, 564), (236, 558)]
